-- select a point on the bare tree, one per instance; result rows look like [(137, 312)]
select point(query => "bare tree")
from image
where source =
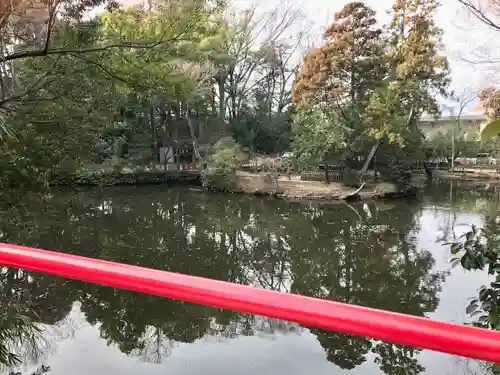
[(483, 22), (203, 74), (273, 39), (462, 100), (485, 11)]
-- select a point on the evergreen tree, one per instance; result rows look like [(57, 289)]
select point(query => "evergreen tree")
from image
[(348, 65), (421, 71)]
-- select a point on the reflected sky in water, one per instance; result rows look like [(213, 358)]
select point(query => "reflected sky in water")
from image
[(382, 254)]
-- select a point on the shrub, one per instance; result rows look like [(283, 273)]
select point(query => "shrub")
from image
[(222, 164)]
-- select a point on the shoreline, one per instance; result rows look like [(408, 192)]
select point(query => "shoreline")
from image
[(362, 196), (255, 184), (472, 176), (128, 177), (295, 189)]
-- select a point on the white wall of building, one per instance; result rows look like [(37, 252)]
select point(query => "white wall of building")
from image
[(469, 124)]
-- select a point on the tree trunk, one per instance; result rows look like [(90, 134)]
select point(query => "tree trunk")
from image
[(428, 170), (222, 101), (196, 147), (154, 136), (355, 193), (369, 159)]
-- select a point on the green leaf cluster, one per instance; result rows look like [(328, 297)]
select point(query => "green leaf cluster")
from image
[(386, 76)]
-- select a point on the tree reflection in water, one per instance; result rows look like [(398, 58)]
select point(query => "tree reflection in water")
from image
[(359, 254), (31, 311), (18, 332)]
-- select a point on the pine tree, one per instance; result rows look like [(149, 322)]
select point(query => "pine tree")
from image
[(420, 68), (348, 65), (419, 72)]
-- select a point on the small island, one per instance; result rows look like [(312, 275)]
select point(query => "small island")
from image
[(228, 112)]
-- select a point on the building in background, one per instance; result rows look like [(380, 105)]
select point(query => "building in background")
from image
[(468, 123)]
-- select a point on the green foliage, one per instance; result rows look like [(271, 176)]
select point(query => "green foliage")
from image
[(479, 249), (395, 160), (261, 133), (440, 145), (174, 34), (57, 129), (377, 84), (321, 134), (111, 103), (119, 87), (223, 163)]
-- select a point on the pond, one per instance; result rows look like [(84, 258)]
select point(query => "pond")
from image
[(385, 254)]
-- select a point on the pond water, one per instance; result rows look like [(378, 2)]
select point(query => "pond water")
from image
[(387, 255)]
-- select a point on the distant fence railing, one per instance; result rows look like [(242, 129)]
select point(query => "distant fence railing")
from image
[(420, 165), (331, 174)]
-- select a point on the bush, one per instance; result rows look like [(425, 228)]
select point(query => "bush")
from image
[(222, 164)]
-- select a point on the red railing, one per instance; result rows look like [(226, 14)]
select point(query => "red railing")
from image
[(403, 329)]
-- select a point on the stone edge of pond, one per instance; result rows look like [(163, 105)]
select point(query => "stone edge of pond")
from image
[(362, 196), (193, 179), (473, 177)]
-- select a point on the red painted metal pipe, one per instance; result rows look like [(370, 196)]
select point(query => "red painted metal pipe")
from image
[(382, 325)]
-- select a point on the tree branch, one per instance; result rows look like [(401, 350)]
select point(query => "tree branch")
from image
[(479, 14), (115, 75), (411, 117), (50, 24), (34, 86), (66, 51)]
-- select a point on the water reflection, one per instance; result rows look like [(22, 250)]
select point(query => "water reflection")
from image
[(365, 254)]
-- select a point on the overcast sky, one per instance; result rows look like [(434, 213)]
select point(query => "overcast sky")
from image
[(464, 37)]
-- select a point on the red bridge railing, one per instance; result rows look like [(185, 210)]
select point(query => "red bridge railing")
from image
[(403, 329)]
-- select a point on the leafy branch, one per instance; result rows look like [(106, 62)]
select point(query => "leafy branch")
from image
[(478, 249), (94, 49), (39, 83)]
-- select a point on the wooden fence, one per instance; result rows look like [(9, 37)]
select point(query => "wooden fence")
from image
[(332, 174), (335, 173)]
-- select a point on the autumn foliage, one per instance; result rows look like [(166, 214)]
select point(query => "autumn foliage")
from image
[(377, 79), (490, 101), (348, 63)]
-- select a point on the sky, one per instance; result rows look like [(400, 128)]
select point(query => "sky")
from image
[(465, 39)]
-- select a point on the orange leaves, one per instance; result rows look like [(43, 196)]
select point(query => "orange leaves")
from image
[(408, 13), (311, 76), (347, 64), (490, 101), (27, 18), (9, 7)]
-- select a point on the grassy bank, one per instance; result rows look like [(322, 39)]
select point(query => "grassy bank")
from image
[(127, 177)]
